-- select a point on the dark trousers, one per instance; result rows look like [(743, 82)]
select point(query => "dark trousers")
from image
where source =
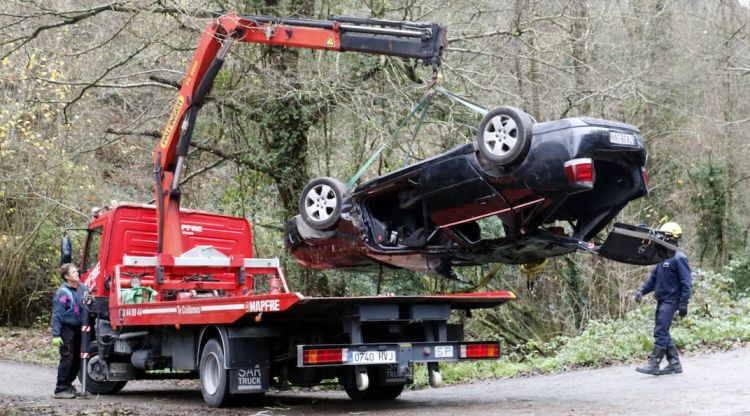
[(665, 310), (70, 357)]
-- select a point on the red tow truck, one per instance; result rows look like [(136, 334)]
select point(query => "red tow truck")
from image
[(177, 293)]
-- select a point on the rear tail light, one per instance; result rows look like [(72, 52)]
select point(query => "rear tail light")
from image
[(325, 356), (480, 350), (645, 175), (580, 171)]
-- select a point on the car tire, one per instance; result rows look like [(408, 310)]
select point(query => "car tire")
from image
[(504, 135), (98, 387), (320, 203)]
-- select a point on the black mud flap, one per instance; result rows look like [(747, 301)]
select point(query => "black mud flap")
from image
[(636, 245), (249, 380)]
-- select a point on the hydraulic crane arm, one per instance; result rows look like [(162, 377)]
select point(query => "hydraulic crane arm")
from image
[(419, 40)]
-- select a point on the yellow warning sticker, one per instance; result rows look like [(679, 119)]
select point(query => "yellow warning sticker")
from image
[(172, 121), (330, 42)]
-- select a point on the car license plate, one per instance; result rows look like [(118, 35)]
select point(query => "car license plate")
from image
[(621, 138), (372, 357)]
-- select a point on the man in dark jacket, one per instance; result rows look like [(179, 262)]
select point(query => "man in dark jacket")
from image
[(671, 281), (67, 308)]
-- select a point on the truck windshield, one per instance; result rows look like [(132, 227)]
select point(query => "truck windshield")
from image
[(94, 240)]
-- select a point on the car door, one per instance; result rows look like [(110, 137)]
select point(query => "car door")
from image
[(455, 193)]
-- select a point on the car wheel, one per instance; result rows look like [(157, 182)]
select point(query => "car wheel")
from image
[(320, 204), (504, 135)]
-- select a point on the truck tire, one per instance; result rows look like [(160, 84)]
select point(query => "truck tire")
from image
[(214, 377), (375, 391), (95, 386)]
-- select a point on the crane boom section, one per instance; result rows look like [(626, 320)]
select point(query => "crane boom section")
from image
[(418, 40)]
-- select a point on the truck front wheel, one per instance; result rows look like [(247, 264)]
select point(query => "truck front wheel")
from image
[(214, 378), (96, 374)]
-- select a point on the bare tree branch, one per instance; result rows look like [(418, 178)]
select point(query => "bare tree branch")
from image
[(104, 74)]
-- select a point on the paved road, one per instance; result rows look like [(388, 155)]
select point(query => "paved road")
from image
[(713, 384)]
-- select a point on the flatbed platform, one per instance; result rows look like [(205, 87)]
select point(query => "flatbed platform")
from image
[(292, 305)]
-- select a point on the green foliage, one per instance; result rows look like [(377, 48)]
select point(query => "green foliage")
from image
[(40, 182), (738, 271), (574, 296), (710, 200)]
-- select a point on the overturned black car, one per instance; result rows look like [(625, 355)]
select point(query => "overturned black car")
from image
[(521, 193)]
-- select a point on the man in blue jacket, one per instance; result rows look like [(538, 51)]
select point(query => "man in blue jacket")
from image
[(67, 309), (671, 281)]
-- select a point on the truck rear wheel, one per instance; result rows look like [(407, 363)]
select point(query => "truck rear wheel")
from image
[(214, 377), (376, 390), (96, 374)]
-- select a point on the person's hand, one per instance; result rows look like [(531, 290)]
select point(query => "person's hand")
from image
[(57, 341), (682, 310), (638, 296)]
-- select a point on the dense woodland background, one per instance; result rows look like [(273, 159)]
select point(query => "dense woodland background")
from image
[(85, 88)]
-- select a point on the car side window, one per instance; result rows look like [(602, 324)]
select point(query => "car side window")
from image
[(487, 228), (92, 248), (491, 227)]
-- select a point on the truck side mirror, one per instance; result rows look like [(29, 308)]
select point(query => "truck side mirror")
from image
[(66, 250)]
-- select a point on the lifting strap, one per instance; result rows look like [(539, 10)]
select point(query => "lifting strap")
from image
[(463, 101), (420, 106)]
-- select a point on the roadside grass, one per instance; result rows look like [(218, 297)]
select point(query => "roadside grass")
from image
[(30, 345)]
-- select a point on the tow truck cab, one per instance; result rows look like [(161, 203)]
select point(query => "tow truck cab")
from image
[(131, 229)]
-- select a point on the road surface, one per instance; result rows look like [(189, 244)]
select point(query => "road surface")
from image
[(712, 384)]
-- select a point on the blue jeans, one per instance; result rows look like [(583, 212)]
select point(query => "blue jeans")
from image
[(665, 310)]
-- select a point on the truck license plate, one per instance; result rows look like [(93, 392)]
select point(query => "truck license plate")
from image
[(372, 357), (444, 351), (621, 138)]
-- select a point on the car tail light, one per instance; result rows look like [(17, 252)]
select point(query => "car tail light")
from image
[(645, 175), (480, 350), (580, 171), (325, 356)]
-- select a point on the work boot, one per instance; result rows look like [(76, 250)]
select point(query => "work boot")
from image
[(65, 394), (652, 365), (673, 358)]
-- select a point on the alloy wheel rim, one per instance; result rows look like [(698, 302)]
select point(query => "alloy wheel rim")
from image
[(211, 374), (500, 135), (320, 202)]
